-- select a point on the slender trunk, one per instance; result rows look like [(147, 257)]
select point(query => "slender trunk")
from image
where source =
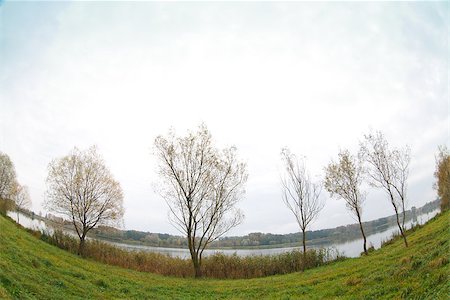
[(363, 234), (404, 214), (398, 219), (402, 232), (304, 242), (401, 229), (81, 245), (303, 266), (18, 217)]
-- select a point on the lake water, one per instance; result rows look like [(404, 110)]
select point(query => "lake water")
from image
[(349, 249), (355, 247), (30, 223)]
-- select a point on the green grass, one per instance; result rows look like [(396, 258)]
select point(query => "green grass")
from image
[(32, 269)]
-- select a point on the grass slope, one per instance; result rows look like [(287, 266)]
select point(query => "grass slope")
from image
[(32, 269)]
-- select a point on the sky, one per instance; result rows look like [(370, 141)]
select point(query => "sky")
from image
[(310, 76)]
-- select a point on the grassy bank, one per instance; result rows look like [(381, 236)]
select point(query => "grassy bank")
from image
[(30, 268)]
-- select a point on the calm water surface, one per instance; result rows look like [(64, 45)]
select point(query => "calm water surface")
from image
[(349, 249)]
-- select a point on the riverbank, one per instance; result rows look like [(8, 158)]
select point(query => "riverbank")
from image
[(32, 269), (350, 248)]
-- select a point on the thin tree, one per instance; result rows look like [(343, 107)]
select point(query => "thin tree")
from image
[(401, 160), (21, 198), (201, 186), (8, 179), (300, 194), (442, 175), (388, 170), (82, 188), (343, 180)]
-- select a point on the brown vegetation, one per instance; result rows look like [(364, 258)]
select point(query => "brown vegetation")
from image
[(442, 175), (214, 266)]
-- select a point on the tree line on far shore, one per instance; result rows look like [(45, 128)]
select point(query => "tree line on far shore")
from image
[(202, 185), (315, 238)]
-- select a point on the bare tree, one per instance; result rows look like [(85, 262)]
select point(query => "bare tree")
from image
[(388, 170), (21, 198), (82, 188), (401, 160), (7, 177), (201, 186), (343, 180), (300, 194)]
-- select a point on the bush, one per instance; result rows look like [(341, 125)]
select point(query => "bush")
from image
[(5, 206)]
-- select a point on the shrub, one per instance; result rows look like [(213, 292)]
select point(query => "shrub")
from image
[(5, 206)]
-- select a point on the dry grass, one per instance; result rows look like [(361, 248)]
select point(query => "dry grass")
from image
[(214, 266)]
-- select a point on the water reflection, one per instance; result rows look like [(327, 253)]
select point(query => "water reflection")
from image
[(349, 249)]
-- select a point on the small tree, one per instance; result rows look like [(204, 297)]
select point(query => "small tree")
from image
[(343, 180), (201, 186), (21, 198), (388, 169), (442, 175), (300, 194), (82, 188), (8, 179)]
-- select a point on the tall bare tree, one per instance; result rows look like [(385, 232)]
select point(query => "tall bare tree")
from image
[(21, 198), (343, 180), (388, 170), (82, 188), (201, 186), (300, 194), (8, 179)]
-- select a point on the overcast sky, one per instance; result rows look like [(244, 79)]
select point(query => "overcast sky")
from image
[(310, 76)]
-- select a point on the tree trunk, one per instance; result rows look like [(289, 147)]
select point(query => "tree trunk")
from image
[(196, 261), (401, 229), (18, 217), (398, 219), (404, 215), (81, 245), (362, 232), (304, 249), (304, 242), (197, 267)]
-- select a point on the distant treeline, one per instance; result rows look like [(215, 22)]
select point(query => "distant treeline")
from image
[(258, 239)]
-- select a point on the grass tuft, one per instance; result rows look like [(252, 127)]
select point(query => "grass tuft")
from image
[(101, 283), (353, 281), (438, 262)]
